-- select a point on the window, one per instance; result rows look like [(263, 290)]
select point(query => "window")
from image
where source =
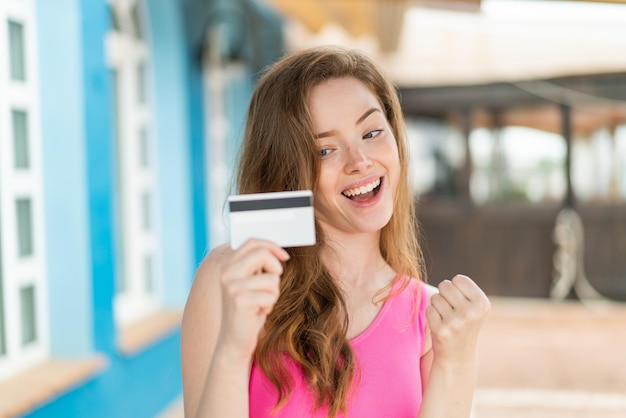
[(437, 154), (226, 90), (16, 51), (128, 55), (20, 139), (509, 162), (23, 327), (599, 164), (516, 163)]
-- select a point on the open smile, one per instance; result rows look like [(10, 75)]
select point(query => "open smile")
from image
[(364, 192)]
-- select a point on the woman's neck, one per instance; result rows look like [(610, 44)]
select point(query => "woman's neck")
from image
[(356, 262)]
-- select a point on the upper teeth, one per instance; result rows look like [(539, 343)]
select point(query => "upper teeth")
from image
[(363, 189)]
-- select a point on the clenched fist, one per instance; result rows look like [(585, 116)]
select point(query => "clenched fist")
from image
[(455, 316)]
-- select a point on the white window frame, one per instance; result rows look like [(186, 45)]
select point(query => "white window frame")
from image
[(125, 53), (18, 271), (218, 77)]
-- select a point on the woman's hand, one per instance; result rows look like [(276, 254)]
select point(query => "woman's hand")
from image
[(249, 281), (232, 294), (455, 316)]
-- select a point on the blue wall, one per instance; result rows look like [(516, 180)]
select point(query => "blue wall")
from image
[(172, 134), (79, 160), (98, 135), (134, 387), (64, 163), (77, 122)]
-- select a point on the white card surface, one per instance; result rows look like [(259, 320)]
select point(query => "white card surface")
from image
[(285, 218)]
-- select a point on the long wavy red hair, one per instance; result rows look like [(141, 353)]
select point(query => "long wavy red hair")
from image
[(279, 152)]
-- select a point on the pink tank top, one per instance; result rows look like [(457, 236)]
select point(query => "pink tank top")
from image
[(388, 353)]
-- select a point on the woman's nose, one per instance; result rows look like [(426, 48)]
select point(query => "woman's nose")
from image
[(358, 159)]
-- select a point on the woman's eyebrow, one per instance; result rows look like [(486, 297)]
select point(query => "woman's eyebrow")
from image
[(359, 120), (325, 134), (366, 114)]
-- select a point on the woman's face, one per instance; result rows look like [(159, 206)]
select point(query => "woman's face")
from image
[(360, 165)]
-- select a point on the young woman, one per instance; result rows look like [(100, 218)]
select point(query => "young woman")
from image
[(345, 327)]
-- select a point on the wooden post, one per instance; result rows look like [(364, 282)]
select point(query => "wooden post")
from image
[(566, 129), (465, 173)]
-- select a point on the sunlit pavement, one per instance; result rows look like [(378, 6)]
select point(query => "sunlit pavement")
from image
[(542, 359), (545, 359)]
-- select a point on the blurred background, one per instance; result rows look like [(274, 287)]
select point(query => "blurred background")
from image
[(120, 122)]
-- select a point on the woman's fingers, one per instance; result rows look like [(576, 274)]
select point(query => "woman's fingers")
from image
[(261, 282), (450, 292), (253, 268), (441, 305), (463, 295), (468, 288), (257, 256), (448, 300), (257, 294), (455, 316), (255, 262), (250, 282), (254, 243)]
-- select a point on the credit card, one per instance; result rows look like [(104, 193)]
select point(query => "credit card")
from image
[(285, 218)]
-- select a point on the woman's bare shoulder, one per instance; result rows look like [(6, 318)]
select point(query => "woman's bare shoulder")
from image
[(201, 324), (204, 295), (212, 263)]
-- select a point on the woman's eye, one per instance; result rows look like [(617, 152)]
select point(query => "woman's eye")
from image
[(372, 134), (324, 152)]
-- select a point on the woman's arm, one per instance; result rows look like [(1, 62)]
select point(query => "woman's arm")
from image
[(449, 367), (232, 294)]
